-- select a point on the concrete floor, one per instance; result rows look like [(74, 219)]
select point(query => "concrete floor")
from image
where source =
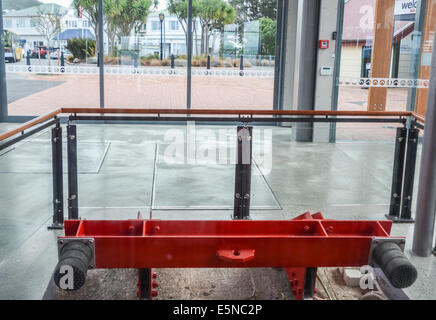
[(125, 169)]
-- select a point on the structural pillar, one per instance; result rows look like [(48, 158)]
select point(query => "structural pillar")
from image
[(381, 52), (286, 72), (310, 13), (416, 51), (425, 65), (426, 209)]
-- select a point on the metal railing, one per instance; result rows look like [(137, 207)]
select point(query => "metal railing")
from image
[(404, 158)]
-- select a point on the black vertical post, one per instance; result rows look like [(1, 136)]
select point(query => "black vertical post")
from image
[(279, 66), (310, 283), (397, 176), (3, 92), (409, 175), (241, 209), (101, 51), (241, 63), (62, 59), (73, 197), (189, 58), (28, 57), (58, 185), (172, 61), (161, 40), (208, 62)]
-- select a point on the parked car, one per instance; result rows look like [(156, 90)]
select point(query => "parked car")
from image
[(54, 54), (39, 51)]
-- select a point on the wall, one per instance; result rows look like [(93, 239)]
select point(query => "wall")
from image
[(326, 58), (405, 57), (351, 61)]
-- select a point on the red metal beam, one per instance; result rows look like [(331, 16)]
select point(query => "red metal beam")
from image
[(305, 242)]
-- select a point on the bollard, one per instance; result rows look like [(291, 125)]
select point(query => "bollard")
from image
[(28, 57), (208, 62), (241, 63), (172, 61), (135, 60), (62, 59)]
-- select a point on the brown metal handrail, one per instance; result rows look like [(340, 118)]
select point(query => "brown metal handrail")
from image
[(63, 110), (30, 124)]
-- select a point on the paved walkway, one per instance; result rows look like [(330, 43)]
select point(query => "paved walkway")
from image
[(170, 92), (147, 92)]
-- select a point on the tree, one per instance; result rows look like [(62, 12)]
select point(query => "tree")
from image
[(121, 16), (112, 28), (48, 21), (125, 16), (268, 29), (132, 15), (90, 9), (248, 10), (81, 48), (214, 14), (180, 9)]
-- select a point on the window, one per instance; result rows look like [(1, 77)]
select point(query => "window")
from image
[(155, 25), (71, 23), (21, 23), (85, 24), (7, 23), (173, 25)]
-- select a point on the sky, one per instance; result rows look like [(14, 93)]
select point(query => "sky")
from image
[(67, 3)]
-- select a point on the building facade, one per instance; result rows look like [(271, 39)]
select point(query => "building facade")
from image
[(24, 23), (147, 40), (358, 34)]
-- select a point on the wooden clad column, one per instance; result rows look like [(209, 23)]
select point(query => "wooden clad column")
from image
[(381, 52), (426, 54)]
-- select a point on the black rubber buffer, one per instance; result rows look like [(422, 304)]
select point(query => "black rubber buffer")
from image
[(395, 265), (78, 256)]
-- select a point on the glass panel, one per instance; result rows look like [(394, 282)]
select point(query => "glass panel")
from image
[(145, 56), (234, 55), (47, 66), (385, 69)]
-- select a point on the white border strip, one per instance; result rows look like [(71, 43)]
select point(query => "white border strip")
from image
[(383, 82), (129, 71)]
